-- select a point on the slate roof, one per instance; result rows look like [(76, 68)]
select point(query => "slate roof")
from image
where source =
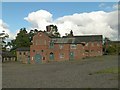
[(88, 38), (23, 49), (78, 39)]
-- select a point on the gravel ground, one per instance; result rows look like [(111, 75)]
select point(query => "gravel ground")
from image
[(69, 74)]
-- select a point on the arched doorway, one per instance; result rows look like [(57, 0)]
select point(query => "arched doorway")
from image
[(38, 58), (51, 56)]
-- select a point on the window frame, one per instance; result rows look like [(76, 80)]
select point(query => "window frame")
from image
[(73, 46), (61, 55)]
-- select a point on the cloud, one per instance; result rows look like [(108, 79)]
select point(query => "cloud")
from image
[(5, 27), (98, 22), (39, 19), (106, 7), (102, 5)]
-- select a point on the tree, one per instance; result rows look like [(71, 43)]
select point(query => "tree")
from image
[(106, 40), (22, 39)]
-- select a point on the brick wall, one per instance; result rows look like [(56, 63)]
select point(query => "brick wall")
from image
[(22, 56), (41, 46)]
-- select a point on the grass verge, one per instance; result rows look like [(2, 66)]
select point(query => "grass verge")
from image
[(113, 70)]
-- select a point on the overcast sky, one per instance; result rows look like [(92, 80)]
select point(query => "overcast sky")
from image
[(84, 18)]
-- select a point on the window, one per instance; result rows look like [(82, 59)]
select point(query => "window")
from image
[(20, 53), (86, 50), (73, 46), (42, 50), (33, 50), (51, 44), (61, 55), (61, 46), (24, 53)]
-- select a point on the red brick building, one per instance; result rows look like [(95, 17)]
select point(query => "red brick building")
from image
[(49, 48)]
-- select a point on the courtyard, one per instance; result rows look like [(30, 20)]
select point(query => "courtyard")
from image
[(95, 72)]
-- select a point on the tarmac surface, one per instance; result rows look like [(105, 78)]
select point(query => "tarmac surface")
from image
[(67, 74)]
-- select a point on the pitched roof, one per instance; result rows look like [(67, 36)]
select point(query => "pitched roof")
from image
[(63, 40), (88, 38), (78, 39), (113, 42), (23, 49)]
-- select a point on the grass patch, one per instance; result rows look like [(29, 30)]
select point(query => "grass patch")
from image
[(113, 70)]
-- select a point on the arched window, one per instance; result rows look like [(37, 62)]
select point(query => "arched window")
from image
[(51, 56)]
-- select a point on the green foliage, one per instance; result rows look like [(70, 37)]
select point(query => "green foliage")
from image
[(23, 39), (111, 49)]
